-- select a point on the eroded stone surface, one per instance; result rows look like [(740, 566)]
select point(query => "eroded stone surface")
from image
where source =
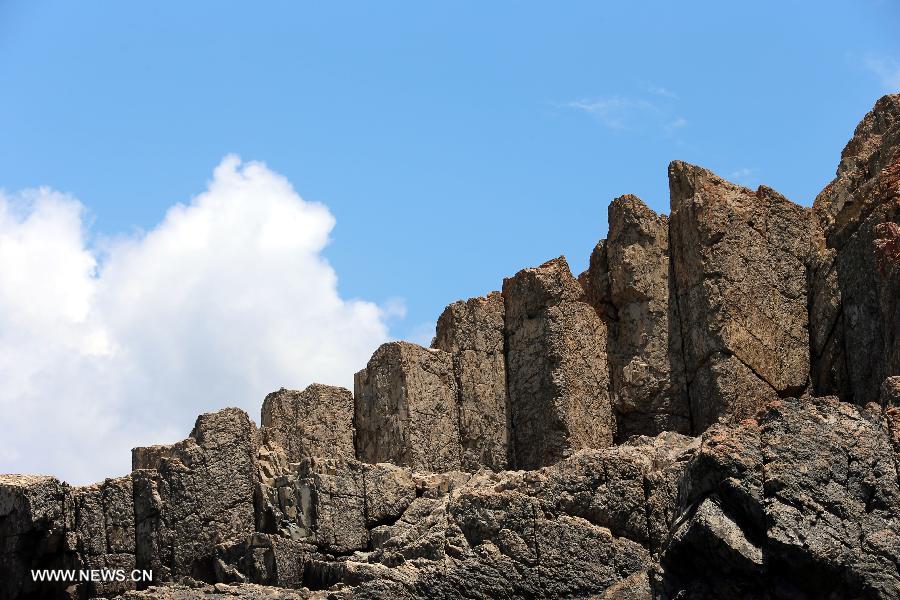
[(740, 261), (854, 309), (812, 484), (556, 368), (201, 495), (628, 282), (406, 409), (472, 332), (317, 421)]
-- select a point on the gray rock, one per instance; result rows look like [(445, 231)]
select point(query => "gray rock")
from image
[(472, 332), (628, 282), (813, 485), (740, 262), (557, 372), (201, 495), (406, 409), (887, 256), (315, 422)]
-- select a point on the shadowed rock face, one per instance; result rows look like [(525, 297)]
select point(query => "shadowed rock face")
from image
[(472, 332), (315, 422), (406, 409), (628, 282), (556, 367), (740, 283), (853, 310), (201, 493), (707, 322)]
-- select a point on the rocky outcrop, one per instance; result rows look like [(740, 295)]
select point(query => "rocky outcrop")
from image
[(406, 409), (629, 284), (801, 502), (853, 309), (710, 323), (199, 494), (472, 332), (740, 260), (315, 422), (556, 367)]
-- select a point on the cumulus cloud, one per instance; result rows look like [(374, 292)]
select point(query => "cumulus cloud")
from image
[(226, 299)]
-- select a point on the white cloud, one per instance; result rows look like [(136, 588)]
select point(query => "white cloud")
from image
[(887, 70), (615, 112), (661, 91), (226, 299), (675, 124), (745, 176)]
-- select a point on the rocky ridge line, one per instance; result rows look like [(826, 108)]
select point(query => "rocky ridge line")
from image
[(709, 411)]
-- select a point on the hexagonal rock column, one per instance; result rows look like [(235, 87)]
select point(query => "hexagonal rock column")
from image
[(740, 274), (629, 284), (315, 422), (406, 411), (556, 367), (472, 332)]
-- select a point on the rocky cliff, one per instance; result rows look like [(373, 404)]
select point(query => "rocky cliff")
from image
[(711, 410)]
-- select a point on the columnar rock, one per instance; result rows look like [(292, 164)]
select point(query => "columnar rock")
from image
[(628, 282), (315, 422), (406, 409), (101, 519), (853, 311), (887, 249), (200, 494), (32, 534), (472, 332), (740, 261), (556, 367), (45, 524)]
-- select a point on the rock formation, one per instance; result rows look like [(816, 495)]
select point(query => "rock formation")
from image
[(711, 410), (556, 367)]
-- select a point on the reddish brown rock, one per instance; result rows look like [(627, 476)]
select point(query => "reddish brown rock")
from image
[(854, 311), (556, 367), (472, 332), (740, 261), (406, 409)]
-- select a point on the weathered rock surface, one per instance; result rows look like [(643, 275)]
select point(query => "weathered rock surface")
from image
[(740, 261), (556, 367), (406, 409), (317, 421), (200, 494), (472, 332), (801, 502), (707, 323), (628, 283), (853, 316)]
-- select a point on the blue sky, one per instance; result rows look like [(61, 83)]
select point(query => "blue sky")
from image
[(452, 144), (446, 138)]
